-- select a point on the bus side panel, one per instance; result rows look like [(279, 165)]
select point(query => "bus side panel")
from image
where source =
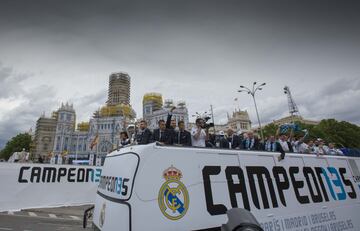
[(192, 165), (111, 215)]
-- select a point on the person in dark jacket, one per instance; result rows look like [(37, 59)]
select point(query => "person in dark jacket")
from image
[(250, 142), (234, 140), (222, 142), (162, 134), (170, 126), (143, 134), (270, 145), (182, 137), (211, 142)]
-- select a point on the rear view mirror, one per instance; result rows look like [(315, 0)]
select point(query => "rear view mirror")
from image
[(87, 215)]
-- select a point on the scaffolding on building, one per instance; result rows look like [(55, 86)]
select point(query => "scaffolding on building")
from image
[(155, 99), (83, 126)]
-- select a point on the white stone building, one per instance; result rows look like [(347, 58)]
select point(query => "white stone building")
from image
[(106, 124), (65, 128)]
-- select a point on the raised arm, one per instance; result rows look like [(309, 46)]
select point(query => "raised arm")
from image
[(168, 119)]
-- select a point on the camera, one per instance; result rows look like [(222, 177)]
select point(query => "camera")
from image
[(207, 125)]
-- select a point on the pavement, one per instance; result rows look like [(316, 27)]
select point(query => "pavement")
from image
[(62, 218)]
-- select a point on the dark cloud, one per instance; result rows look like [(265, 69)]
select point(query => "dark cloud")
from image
[(9, 82), (337, 99), (197, 51), (30, 103)]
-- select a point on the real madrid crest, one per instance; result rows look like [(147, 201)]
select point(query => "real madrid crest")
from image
[(173, 196)]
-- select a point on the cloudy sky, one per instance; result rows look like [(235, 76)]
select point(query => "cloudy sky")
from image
[(197, 51)]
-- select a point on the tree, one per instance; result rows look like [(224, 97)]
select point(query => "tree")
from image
[(270, 130), (343, 134), (16, 144)]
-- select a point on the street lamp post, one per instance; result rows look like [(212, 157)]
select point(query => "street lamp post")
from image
[(252, 92)]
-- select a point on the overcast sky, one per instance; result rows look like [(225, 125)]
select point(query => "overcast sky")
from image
[(197, 51)]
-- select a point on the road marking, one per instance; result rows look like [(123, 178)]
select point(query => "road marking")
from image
[(32, 214), (52, 215), (5, 228), (75, 218), (26, 215), (10, 212)]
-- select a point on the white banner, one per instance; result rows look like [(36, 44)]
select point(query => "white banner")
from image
[(25, 185)]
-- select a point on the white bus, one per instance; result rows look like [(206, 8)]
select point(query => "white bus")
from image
[(152, 187)]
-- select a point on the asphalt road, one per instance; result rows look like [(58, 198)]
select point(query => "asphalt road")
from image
[(66, 219)]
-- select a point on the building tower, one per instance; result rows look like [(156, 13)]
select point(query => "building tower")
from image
[(44, 136), (119, 89), (293, 109), (151, 102), (65, 127), (169, 103)]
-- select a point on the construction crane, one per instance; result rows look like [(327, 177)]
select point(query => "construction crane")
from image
[(293, 109)]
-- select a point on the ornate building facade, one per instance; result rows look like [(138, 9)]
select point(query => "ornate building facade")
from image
[(239, 121), (65, 128), (59, 133), (295, 118)]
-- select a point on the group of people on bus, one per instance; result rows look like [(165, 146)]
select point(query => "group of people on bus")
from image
[(171, 133)]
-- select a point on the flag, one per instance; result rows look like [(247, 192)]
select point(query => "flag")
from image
[(306, 132), (94, 142), (285, 127)]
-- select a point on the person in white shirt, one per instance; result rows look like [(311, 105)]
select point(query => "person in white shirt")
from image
[(332, 150), (283, 146), (302, 147), (198, 134), (299, 145), (321, 148), (311, 148)]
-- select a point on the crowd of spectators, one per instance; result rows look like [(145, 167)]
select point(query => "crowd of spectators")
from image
[(307, 146), (276, 143), (170, 133)]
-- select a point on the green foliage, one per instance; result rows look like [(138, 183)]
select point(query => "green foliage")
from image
[(16, 144), (270, 130), (343, 134)]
